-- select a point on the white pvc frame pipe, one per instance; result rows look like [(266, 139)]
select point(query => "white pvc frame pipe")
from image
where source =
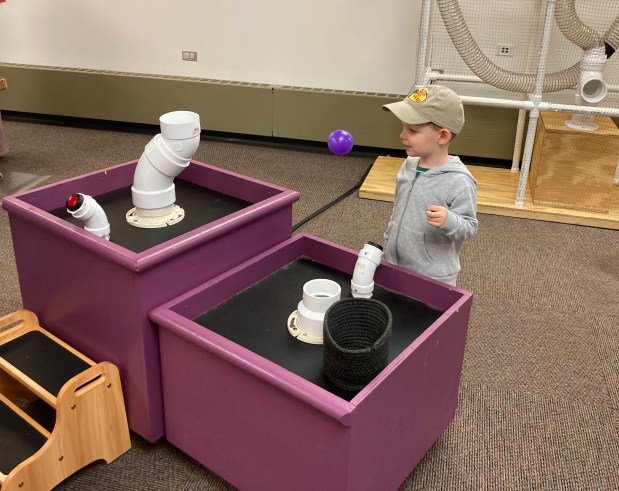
[(536, 99)]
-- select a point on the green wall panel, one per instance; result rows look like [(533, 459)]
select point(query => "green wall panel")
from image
[(225, 107), (235, 107)]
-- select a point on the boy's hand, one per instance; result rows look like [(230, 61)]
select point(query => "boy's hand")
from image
[(437, 215)]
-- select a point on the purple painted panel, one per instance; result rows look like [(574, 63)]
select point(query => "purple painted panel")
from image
[(422, 387), (262, 427), (96, 294), (245, 429), (34, 205)]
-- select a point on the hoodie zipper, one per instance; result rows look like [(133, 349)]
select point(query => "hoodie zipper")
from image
[(397, 235)]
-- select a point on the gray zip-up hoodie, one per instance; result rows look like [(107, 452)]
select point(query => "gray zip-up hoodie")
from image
[(410, 241)]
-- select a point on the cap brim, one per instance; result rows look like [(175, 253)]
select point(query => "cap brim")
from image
[(406, 113)]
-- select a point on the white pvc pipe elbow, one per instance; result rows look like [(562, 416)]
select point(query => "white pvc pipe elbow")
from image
[(165, 157), (592, 87), (362, 283), (86, 209)]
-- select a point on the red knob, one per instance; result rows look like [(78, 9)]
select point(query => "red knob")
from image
[(75, 201)]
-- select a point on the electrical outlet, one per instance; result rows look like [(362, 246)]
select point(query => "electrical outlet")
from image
[(505, 49), (190, 56)]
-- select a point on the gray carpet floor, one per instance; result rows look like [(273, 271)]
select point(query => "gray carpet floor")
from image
[(539, 399)]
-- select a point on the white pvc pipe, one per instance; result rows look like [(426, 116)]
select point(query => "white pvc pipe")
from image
[(452, 77), (86, 209), (591, 87), (362, 282), (542, 106), (164, 157), (447, 77), (318, 296), (536, 99), (422, 44)]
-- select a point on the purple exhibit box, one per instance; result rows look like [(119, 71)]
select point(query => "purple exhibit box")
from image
[(96, 294), (250, 402)]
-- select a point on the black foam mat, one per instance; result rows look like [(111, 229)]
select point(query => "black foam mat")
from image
[(257, 318), (43, 360), (201, 205), (18, 439)]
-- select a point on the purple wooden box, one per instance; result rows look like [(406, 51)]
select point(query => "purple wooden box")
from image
[(262, 427), (96, 294)]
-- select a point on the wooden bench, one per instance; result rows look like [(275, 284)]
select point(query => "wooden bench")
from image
[(86, 397)]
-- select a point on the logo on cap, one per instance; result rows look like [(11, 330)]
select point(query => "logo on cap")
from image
[(419, 95)]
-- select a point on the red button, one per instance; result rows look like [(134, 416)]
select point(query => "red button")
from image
[(72, 201)]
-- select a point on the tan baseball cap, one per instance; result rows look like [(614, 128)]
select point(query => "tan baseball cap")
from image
[(432, 104)]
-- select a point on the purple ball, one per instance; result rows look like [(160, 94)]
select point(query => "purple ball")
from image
[(340, 142)]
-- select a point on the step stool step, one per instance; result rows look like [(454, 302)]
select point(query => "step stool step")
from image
[(43, 360), (19, 440)]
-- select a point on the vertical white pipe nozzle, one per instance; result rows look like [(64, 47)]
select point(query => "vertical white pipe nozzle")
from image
[(318, 296), (362, 283), (164, 157), (86, 209)]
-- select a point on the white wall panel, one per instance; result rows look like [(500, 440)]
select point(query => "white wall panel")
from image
[(366, 45)]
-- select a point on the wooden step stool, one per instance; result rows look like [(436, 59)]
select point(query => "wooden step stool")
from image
[(90, 419)]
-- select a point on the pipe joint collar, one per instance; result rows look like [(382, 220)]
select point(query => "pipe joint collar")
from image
[(164, 159), (153, 199), (180, 125)]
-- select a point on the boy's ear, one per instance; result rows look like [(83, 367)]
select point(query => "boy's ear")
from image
[(445, 136)]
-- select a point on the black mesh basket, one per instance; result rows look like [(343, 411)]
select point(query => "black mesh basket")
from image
[(356, 341)]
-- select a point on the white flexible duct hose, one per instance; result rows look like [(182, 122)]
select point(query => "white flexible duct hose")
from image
[(573, 28), (496, 76), (611, 38)]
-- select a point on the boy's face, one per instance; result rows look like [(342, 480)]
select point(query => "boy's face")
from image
[(421, 140)]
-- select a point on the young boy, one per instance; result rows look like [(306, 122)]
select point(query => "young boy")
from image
[(434, 210)]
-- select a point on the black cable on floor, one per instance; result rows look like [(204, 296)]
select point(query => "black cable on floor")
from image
[(334, 202)]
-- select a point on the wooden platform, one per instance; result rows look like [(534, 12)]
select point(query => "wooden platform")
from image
[(496, 195)]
